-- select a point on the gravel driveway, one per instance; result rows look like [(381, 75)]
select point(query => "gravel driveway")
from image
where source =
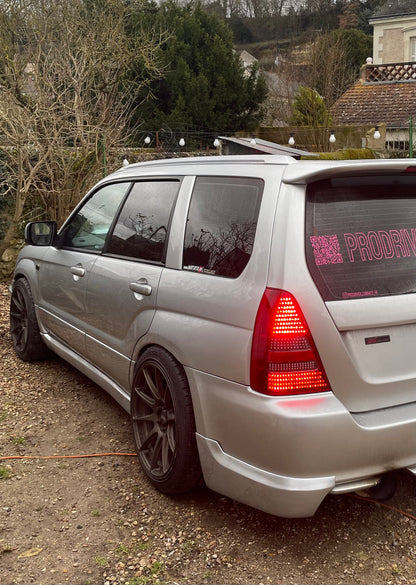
[(95, 520)]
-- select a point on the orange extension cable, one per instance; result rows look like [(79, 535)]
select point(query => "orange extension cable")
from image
[(381, 504), (8, 457), (65, 456)]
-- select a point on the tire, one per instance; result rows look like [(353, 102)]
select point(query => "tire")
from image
[(163, 423), (24, 328)]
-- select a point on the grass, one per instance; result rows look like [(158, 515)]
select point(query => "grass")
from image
[(152, 575), (101, 561), (189, 545), (141, 546), (4, 472), (17, 440), (122, 549)]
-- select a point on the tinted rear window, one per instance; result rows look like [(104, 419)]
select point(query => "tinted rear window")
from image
[(361, 236)]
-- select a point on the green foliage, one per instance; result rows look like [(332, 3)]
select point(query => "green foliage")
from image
[(358, 46), (151, 575), (346, 154), (4, 472), (309, 109), (321, 15), (367, 9), (205, 85), (240, 30), (337, 59)]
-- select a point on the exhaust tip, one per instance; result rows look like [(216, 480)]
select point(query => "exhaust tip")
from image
[(384, 490)]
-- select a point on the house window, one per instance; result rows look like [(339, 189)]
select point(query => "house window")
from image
[(412, 46)]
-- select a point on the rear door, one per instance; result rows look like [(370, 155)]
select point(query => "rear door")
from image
[(206, 309), (361, 253)]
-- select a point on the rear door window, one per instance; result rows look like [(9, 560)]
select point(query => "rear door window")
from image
[(361, 236), (221, 225), (142, 227)]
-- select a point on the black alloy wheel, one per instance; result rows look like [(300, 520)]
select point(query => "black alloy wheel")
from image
[(163, 423), (24, 328)]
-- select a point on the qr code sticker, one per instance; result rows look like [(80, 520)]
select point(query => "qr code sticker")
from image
[(326, 250)]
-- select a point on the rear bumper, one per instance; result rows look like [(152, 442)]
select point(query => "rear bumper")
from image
[(289, 497), (284, 455)]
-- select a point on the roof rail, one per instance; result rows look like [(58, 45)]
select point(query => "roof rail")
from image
[(211, 160)]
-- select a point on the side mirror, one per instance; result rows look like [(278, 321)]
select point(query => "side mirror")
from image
[(41, 233)]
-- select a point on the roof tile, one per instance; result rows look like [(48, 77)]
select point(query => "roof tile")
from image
[(376, 103)]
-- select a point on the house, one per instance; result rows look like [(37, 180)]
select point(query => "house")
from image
[(385, 95), (394, 36), (247, 59)]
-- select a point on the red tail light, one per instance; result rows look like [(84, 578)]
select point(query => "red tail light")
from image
[(284, 359)]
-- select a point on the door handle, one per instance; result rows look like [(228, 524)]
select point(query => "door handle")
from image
[(142, 287), (77, 270)]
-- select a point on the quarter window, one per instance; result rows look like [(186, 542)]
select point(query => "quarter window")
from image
[(221, 225), (89, 227), (142, 227)]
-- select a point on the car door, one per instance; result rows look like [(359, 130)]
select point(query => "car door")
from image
[(63, 272), (123, 283)]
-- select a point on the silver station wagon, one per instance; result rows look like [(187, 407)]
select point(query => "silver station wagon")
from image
[(255, 315)]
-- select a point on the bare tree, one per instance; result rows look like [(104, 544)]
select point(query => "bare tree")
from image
[(68, 79), (336, 59)]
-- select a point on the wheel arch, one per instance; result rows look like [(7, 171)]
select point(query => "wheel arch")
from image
[(25, 268), (197, 406), (143, 345), (195, 395)]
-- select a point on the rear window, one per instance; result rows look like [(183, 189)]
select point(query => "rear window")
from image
[(361, 236)]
